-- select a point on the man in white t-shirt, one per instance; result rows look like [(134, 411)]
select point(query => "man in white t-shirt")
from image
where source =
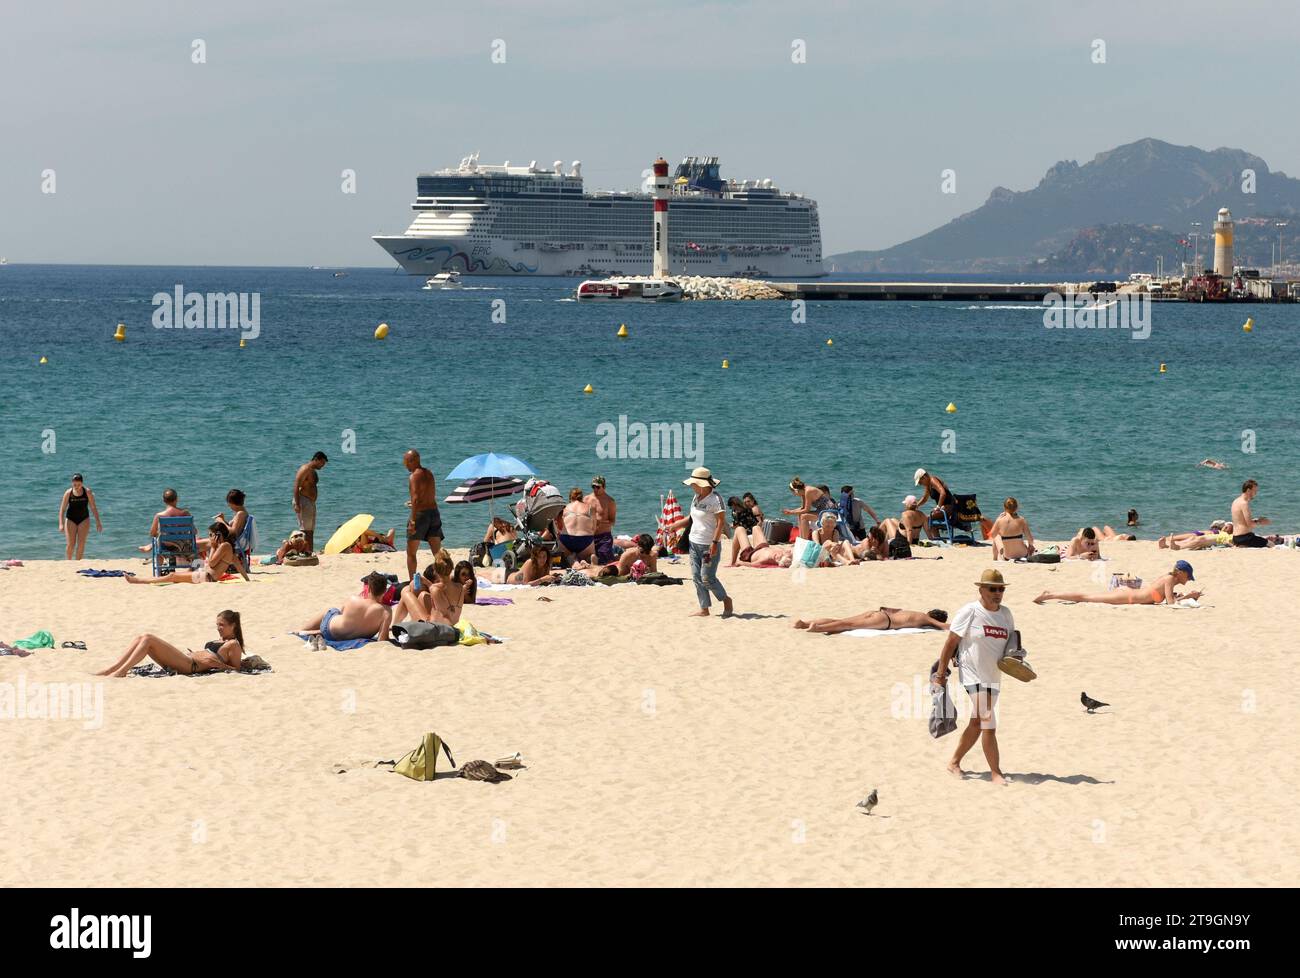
[(979, 635)]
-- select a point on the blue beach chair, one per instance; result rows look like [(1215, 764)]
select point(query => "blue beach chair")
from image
[(245, 542), (966, 514), (177, 540)]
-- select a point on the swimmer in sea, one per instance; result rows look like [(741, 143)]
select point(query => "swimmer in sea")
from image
[(1210, 463)]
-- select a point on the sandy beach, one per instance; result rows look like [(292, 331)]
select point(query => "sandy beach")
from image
[(660, 749)]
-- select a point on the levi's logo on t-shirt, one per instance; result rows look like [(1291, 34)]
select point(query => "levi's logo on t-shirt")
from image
[(994, 631)]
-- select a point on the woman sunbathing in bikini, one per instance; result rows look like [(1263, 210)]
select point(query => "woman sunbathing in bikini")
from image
[(220, 561), (439, 598), (883, 620), (1219, 534), (1161, 592), (1012, 538), (221, 655), (644, 551), (746, 527)]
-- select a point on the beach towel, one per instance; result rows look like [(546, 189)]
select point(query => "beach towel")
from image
[(877, 632), (249, 665), (37, 640), (485, 585), (338, 645), (102, 573), (7, 649), (494, 600)]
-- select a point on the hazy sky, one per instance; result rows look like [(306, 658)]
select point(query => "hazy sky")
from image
[(237, 161)]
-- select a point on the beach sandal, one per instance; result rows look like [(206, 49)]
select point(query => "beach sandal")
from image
[(74, 645)]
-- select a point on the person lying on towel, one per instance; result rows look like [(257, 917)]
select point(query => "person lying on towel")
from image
[(362, 616), (882, 619)]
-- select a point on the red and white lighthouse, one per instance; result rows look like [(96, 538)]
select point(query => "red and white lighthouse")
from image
[(661, 218)]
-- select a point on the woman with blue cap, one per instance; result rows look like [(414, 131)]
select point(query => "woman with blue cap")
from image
[(1161, 592)]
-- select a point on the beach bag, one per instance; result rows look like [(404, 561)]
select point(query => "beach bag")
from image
[(421, 764), (777, 531), (1123, 580), (424, 634), (943, 714), (899, 548), (1048, 555), (806, 552), (683, 542), (479, 555), (1013, 661)]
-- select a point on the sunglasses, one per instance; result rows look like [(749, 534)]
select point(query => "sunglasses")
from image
[(994, 588)]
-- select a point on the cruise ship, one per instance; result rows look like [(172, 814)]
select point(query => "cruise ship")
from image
[(486, 219)]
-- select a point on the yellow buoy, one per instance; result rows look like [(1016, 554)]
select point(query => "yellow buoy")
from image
[(120, 335), (1162, 368), (726, 364), (43, 360), (1249, 325), (589, 389), (830, 342), (241, 342), (381, 331), (622, 331), (951, 408)]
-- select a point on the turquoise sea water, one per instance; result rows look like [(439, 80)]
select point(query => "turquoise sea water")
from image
[(1079, 425)]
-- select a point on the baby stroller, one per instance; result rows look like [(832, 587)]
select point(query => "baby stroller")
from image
[(535, 513)]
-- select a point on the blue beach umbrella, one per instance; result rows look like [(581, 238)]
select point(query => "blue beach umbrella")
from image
[(490, 464)]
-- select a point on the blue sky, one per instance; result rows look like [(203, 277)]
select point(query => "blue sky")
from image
[(238, 161)]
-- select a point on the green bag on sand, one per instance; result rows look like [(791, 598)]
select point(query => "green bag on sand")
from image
[(421, 764), (40, 640)]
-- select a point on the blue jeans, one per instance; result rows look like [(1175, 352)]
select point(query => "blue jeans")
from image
[(704, 573)]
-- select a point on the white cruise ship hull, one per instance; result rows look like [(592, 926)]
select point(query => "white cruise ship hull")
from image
[(486, 219), (428, 256)]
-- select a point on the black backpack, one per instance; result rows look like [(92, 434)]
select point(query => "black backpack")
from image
[(899, 548)]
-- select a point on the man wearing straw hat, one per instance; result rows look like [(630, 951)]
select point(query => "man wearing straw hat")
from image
[(979, 635), (705, 542)]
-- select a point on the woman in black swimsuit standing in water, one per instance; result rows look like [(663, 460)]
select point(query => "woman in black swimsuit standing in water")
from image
[(75, 510)]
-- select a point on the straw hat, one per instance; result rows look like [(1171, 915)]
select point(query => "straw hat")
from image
[(701, 477), (991, 577)]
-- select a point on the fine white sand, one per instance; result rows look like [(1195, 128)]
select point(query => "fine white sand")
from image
[(662, 749)]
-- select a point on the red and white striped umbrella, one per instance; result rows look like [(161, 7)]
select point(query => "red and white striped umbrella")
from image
[(484, 488), (671, 513)]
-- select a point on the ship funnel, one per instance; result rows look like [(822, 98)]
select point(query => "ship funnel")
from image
[(559, 167), (577, 169)]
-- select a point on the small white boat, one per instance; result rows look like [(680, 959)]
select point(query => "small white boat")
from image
[(644, 290), (444, 280)]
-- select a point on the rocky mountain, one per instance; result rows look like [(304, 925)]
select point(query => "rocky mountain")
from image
[(1148, 184)]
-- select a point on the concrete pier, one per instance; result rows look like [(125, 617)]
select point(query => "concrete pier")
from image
[(921, 291)]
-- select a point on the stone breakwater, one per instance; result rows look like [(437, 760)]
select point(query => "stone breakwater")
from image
[(705, 287)]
